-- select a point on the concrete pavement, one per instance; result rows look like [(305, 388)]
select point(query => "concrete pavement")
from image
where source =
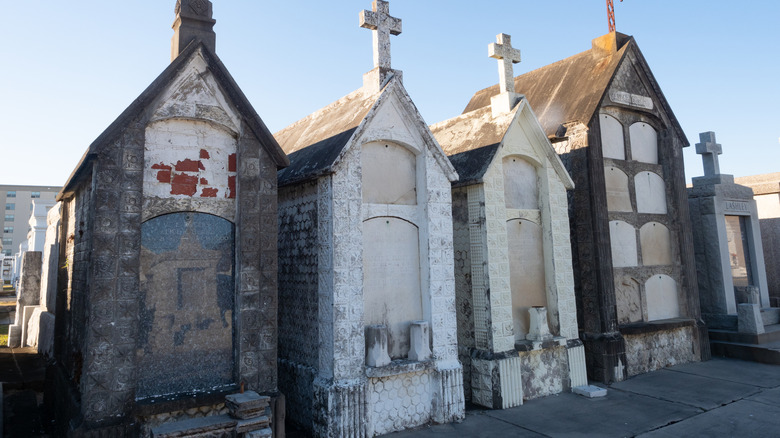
[(718, 398)]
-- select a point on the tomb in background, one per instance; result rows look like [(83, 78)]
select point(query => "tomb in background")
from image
[(517, 326)]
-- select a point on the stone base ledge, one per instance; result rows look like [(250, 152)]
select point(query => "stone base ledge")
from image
[(398, 367), (526, 345), (656, 326)]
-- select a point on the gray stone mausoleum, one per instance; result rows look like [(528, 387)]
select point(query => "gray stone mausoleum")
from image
[(167, 293)]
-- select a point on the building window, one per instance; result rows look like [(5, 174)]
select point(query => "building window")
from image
[(7, 252), (7, 241), (8, 230), (10, 206), (9, 218), (10, 195), (34, 195)]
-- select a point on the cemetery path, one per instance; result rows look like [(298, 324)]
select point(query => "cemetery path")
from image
[(720, 397)]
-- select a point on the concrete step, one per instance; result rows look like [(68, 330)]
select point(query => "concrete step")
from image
[(770, 315), (768, 353), (772, 334)]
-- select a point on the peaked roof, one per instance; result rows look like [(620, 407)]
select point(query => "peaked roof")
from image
[(316, 142), (148, 96), (572, 89)]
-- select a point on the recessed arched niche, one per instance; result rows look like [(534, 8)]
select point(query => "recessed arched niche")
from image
[(392, 292), (612, 142), (526, 271), (650, 193), (656, 242), (662, 299), (187, 304), (521, 186), (644, 143), (616, 182), (622, 238), (389, 174)]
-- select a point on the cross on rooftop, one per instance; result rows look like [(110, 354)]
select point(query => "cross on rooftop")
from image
[(709, 150), (382, 25), (507, 55)]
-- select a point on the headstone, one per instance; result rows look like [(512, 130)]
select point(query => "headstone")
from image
[(727, 237), (28, 296)]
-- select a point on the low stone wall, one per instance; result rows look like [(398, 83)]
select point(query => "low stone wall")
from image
[(651, 351)]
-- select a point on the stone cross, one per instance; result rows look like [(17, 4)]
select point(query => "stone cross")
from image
[(507, 55), (709, 150), (382, 25)]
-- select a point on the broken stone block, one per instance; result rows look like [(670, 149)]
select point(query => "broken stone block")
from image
[(247, 405), (538, 330), (589, 391), (749, 319), (376, 346), (419, 349)]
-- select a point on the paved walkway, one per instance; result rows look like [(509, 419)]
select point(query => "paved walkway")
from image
[(717, 398)]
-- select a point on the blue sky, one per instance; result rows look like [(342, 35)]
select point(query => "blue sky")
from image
[(70, 68)]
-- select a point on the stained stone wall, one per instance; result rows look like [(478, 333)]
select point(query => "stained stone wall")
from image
[(659, 349)]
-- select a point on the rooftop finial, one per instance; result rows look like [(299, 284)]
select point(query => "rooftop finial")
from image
[(507, 56), (193, 20), (383, 25)]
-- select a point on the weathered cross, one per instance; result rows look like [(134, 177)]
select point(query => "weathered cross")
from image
[(709, 151), (382, 25), (507, 55)]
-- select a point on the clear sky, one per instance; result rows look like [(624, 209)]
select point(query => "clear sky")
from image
[(70, 68)]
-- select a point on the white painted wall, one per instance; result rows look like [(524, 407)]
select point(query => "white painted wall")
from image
[(662, 298), (644, 143), (616, 181), (526, 271), (623, 242), (612, 142), (650, 193), (656, 243)]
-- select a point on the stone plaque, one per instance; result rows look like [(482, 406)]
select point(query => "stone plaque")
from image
[(187, 304), (739, 256)]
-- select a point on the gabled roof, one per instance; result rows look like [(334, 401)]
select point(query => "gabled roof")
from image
[(472, 139), (152, 92), (316, 142), (571, 90)]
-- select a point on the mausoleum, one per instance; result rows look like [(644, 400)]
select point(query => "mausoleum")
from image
[(634, 270), (167, 287), (517, 316), (367, 332)]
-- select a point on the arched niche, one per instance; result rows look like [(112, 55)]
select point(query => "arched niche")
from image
[(389, 174), (650, 193), (526, 271), (622, 238), (644, 143), (612, 142), (521, 183), (186, 304), (392, 293), (616, 182), (662, 299), (656, 242)]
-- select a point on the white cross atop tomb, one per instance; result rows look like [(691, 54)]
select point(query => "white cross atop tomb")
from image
[(507, 56), (382, 25), (709, 150)]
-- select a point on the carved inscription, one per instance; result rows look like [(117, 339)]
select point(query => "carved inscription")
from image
[(631, 99), (737, 206)]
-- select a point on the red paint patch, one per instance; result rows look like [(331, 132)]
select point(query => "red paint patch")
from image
[(209, 193), (204, 154), (232, 163), (164, 176), (161, 166), (204, 182), (232, 186), (184, 184), (188, 166)]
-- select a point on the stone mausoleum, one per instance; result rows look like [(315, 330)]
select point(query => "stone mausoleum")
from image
[(367, 332), (517, 316), (167, 295), (730, 262), (634, 270)]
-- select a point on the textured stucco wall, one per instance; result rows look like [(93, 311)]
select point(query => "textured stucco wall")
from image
[(660, 349)]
